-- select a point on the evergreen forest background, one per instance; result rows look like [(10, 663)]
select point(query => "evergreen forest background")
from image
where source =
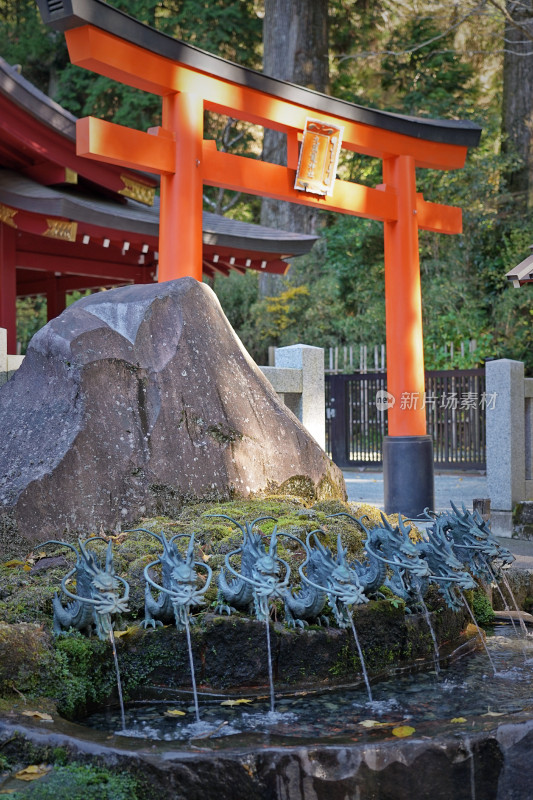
[(467, 59)]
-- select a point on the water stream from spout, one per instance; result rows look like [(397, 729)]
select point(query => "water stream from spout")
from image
[(513, 598), (269, 659), (432, 631), (191, 664), (119, 682), (480, 633), (507, 608), (504, 601), (361, 659)]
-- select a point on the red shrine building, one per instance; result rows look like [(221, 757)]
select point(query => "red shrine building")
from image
[(69, 223)]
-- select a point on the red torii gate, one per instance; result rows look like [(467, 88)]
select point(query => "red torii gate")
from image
[(190, 81)]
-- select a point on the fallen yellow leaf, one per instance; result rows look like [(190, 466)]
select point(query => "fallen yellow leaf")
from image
[(39, 714), (13, 563), (473, 630), (174, 712), (402, 731), (33, 772), (373, 723), (239, 702), (458, 719), (129, 630)]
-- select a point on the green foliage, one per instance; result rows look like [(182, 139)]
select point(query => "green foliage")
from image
[(332, 296), (356, 30), (425, 80), (86, 94), (31, 316), (272, 319), (464, 289), (237, 294), (482, 609), (229, 28), (81, 674), (24, 40), (82, 782)]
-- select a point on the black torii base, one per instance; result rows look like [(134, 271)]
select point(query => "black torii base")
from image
[(408, 483)]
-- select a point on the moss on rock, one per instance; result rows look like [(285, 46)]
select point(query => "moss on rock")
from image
[(26, 653)]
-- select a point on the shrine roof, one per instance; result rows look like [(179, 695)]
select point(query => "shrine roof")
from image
[(20, 192), (522, 273), (67, 14), (29, 98), (36, 131)]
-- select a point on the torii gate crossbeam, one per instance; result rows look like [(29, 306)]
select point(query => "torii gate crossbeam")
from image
[(190, 82)]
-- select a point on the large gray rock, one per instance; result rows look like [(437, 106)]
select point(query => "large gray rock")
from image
[(135, 400)]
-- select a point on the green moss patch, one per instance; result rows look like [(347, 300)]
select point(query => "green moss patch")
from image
[(81, 782)]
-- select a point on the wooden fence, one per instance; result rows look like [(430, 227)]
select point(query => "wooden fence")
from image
[(455, 403), (372, 357)]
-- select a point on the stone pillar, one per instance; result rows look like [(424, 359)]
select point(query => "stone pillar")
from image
[(505, 440), (310, 405), (8, 364)]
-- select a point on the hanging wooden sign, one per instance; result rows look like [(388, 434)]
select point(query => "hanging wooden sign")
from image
[(319, 155)]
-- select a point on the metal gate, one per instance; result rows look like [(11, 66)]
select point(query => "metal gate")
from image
[(455, 403)]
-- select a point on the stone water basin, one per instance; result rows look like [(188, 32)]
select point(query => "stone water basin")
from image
[(471, 737), (466, 696)]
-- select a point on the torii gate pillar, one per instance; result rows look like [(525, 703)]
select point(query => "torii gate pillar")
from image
[(182, 190), (407, 450)]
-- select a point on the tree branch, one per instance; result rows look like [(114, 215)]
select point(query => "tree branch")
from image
[(510, 19), (416, 47), (234, 200)]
